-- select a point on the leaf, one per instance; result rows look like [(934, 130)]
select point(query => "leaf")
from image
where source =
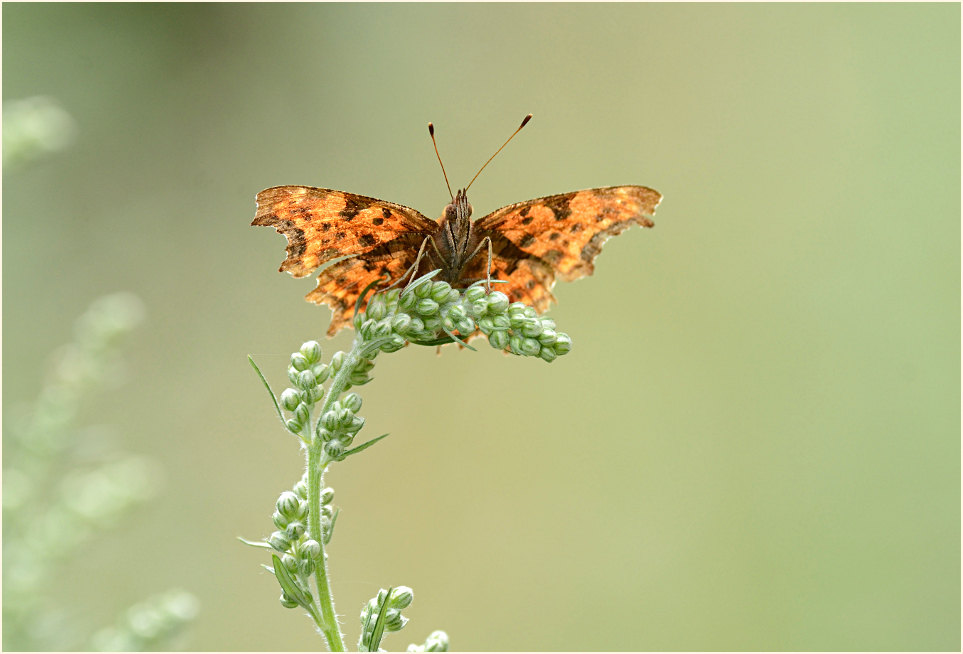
[(363, 446), (277, 407)]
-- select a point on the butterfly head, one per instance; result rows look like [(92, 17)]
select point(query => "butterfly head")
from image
[(459, 209)]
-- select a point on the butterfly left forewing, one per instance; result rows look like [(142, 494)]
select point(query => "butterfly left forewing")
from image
[(324, 224)]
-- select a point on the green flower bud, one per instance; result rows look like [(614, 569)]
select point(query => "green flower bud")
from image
[(352, 401), (501, 322), (437, 641), (497, 302), (366, 328), (287, 602), (311, 549), (563, 344), (290, 563), (289, 505), (395, 343), (465, 326), (439, 291), (301, 489), (454, 295), (401, 597), (478, 309), (407, 301), (530, 347), (293, 375), (306, 380), (302, 414), (457, 312), (423, 290), (382, 329), (299, 362), (391, 296), (357, 422), (475, 293), (337, 360), (323, 434), (433, 324), (498, 340), (547, 323), (377, 308), (293, 426), (426, 307), (290, 399), (321, 372), (364, 365), (548, 337), (311, 351), (330, 420), (294, 530), (327, 512), (311, 396), (400, 322), (547, 353), (448, 324), (334, 448), (327, 495), (279, 520), (417, 325), (394, 621), (531, 329), (358, 321), (486, 325), (305, 566), (358, 378), (279, 541)]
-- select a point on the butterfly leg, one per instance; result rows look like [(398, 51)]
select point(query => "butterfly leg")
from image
[(488, 271), (414, 268)]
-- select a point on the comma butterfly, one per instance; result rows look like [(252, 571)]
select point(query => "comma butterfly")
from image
[(526, 244)]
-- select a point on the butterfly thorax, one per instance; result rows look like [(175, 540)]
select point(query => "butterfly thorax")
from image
[(455, 239)]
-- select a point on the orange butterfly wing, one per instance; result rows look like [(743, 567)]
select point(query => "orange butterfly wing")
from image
[(323, 224), (534, 241)]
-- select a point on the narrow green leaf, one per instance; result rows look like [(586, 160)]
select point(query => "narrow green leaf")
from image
[(379, 629), (260, 544), (289, 585), (277, 407), (363, 446)]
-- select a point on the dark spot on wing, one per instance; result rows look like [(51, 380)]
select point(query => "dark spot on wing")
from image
[(577, 227), (553, 236), (339, 235), (560, 206), (526, 241), (353, 205), (367, 240)]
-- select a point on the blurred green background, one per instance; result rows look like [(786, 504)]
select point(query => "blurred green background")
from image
[(755, 443)]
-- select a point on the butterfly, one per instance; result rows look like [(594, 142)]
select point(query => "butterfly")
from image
[(526, 244)]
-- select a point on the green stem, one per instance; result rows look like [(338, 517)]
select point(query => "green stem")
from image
[(317, 463)]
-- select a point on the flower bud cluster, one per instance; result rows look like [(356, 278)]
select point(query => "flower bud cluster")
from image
[(399, 599), (299, 552), (432, 312), (339, 425), (307, 375), (437, 641)]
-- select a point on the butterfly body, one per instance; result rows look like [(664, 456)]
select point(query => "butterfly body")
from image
[(527, 244)]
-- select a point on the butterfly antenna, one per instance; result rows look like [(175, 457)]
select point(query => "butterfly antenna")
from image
[(431, 131), (524, 122)]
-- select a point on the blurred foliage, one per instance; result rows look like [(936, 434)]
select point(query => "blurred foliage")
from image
[(62, 490)]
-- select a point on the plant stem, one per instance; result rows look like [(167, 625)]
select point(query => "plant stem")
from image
[(317, 463)]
